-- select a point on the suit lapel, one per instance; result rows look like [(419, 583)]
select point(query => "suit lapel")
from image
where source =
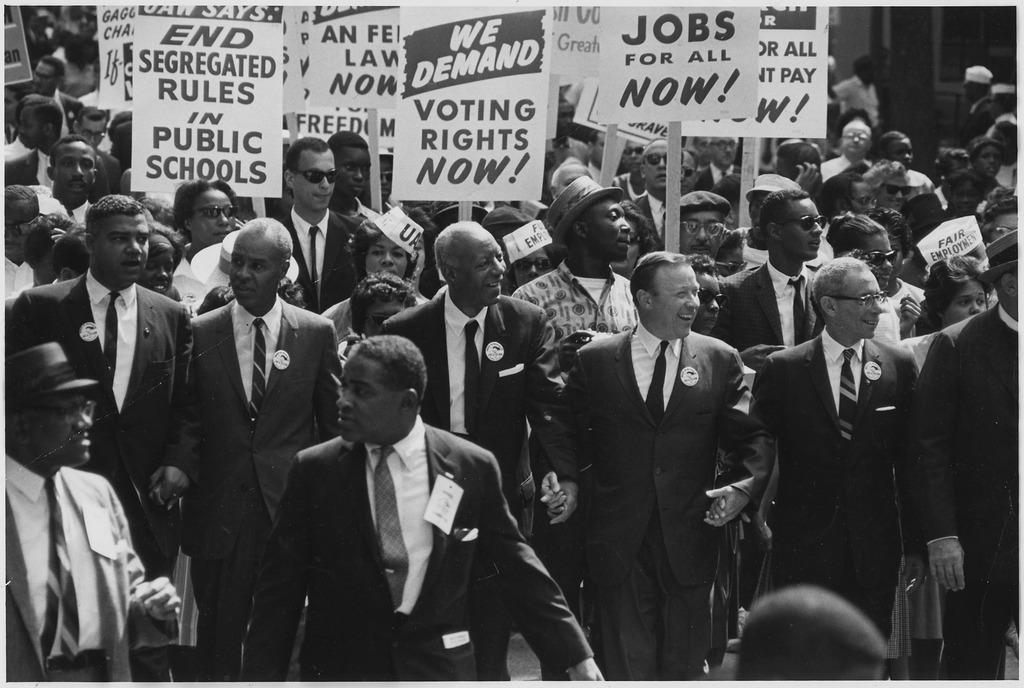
[(494, 331), (437, 361), (818, 371), (437, 464), (300, 258), (867, 385), (287, 342), (17, 585), (687, 357), (77, 312), (627, 377), (766, 297), (333, 246), (357, 458), (224, 333)]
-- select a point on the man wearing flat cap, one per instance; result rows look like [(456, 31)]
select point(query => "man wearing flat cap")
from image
[(76, 594), (964, 472), (702, 223)]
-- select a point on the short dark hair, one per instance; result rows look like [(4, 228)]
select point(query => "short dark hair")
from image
[(850, 115), (44, 108), (69, 251), (958, 177), (56, 63), (888, 138), (649, 239), (176, 240), (774, 206), (306, 143), (382, 287), (67, 140), (728, 187), (949, 158), (703, 265), (647, 267), (93, 114), (980, 143), (834, 189), (111, 206), (846, 232), (186, 195), (946, 278), (216, 298), (346, 139), (366, 235), (399, 358), (790, 154), (896, 225), (41, 237), (733, 240)]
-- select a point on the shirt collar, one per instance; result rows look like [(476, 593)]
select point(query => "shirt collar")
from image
[(272, 318), (780, 280), (24, 480), (654, 203), (834, 350), (651, 344), (1005, 317), (456, 319), (302, 227), (98, 292), (406, 448)]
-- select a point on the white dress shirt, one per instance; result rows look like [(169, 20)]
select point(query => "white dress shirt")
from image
[(245, 340), (41, 174), (127, 329), (455, 339), (78, 214), (408, 467), (302, 235), (834, 363), (657, 213), (26, 495), (645, 348), (784, 291)]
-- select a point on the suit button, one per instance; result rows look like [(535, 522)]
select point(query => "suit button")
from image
[(657, 471)]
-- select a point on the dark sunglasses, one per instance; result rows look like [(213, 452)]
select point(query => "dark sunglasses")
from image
[(538, 263), (808, 222), (706, 296), (634, 151), (212, 211), (893, 189), (726, 269), (317, 176), (878, 258)]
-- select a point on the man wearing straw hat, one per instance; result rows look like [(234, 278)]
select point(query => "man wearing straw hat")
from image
[(964, 442)]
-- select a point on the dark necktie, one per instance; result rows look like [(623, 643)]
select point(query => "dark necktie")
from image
[(472, 386), (110, 333), (656, 394), (847, 397), (314, 277), (389, 528), (60, 628), (259, 361), (799, 312)]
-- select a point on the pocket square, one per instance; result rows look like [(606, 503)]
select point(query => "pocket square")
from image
[(466, 534), (511, 371), (885, 408)]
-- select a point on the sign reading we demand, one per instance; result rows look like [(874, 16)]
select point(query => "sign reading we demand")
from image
[(472, 109), (208, 97)]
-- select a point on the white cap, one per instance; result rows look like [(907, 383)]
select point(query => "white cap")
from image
[(953, 238), (526, 240), (397, 226), (978, 75), (211, 265)]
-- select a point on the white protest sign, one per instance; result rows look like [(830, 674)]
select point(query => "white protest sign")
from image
[(208, 99), (793, 73), (116, 32), (324, 122), (472, 104), (397, 226), (575, 40), (663, 64), (296, 57), (586, 114), (356, 51), (526, 240), (953, 238)]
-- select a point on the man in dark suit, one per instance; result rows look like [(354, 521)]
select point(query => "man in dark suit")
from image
[(655, 173), (263, 386), (838, 407), (320, 236), (768, 307), (653, 406), (386, 535), (487, 393), (47, 77), (137, 343), (91, 124), (965, 439), (55, 514), (723, 155)]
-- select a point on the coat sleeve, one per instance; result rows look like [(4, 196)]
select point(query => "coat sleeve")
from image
[(328, 385), (182, 440), (546, 404), (749, 466)]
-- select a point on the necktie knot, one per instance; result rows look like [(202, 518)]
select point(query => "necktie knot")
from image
[(471, 327), (848, 354), (257, 324), (114, 295), (313, 231)]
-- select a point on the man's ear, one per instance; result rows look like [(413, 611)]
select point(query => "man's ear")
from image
[(579, 228), (643, 299), (289, 179), (410, 400), (773, 231)]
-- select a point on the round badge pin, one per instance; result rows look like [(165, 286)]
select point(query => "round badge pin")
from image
[(281, 359), (872, 371), (88, 332), (494, 351), (688, 376)]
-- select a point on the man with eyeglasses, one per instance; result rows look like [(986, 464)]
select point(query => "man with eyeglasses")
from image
[(723, 155), (655, 172), (854, 147), (352, 165), (768, 306), (702, 223), (838, 407), (320, 235), (67, 526)]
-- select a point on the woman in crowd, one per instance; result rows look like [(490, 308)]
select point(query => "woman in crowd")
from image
[(166, 249), (964, 190), (986, 156), (642, 238), (204, 213), (376, 298), (896, 146), (906, 298), (729, 259)]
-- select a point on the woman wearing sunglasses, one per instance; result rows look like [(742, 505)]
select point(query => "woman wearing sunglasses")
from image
[(204, 213), (709, 294)]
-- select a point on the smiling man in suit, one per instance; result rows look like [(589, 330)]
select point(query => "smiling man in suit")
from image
[(839, 407), (264, 385), (385, 536), (492, 366), (652, 407)]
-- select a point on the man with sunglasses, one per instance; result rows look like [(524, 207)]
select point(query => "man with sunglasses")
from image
[(632, 180), (655, 172), (21, 206), (838, 407), (320, 235), (723, 154)]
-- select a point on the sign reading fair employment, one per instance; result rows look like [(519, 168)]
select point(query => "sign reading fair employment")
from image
[(116, 30), (472, 104), (793, 72), (208, 97), (16, 64), (665, 64), (575, 42), (356, 51)]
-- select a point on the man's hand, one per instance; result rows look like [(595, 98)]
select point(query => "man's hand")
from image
[(808, 176), (560, 498), (946, 561), (754, 357), (585, 671), (910, 313), (167, 485), (159, 599), (728, 503)]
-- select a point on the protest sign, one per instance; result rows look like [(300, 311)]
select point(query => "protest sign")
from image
[(116, 31), (397, 226), (586, 114), (526, 240), (473, 104), (16, 64), (208, 97), (953, 238), (323, 122), (295, 62), (575, 41), (661, 64), (356, 61)]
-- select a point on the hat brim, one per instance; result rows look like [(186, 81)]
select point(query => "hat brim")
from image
[(64, 389), (992, 274), (560, 230)]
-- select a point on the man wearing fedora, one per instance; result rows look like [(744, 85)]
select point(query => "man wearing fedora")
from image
[(67, 527), (965, 443)]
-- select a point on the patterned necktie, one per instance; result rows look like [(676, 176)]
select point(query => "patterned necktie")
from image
[(259, 362), (847, 397), (472, 386), (314, 276), (389, 528), (60, 628), (110, 333), (656, 394), (799, 313)]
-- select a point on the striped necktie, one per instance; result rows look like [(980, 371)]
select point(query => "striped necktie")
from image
[(60, 627), (389, 528), (259, 362), (847, 397)]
